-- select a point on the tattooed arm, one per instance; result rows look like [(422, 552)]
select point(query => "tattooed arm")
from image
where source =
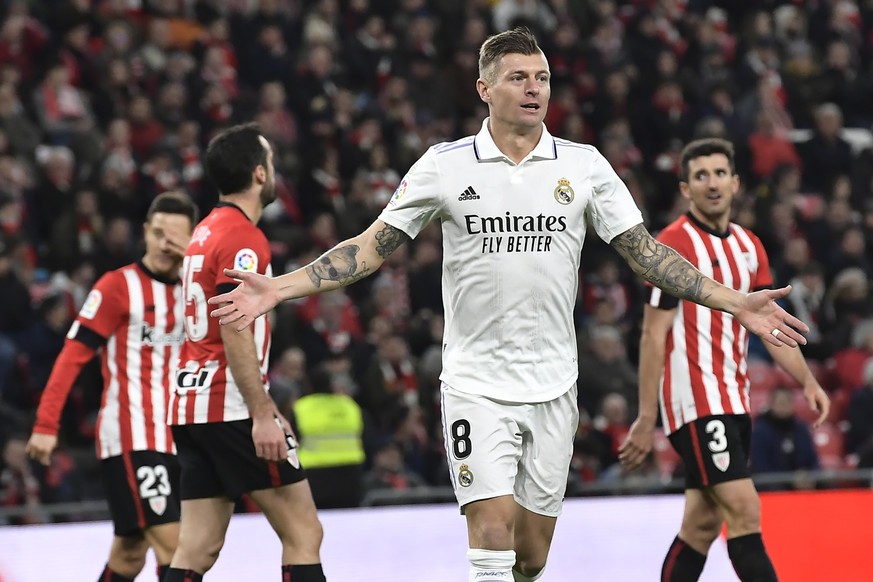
[(665, 268), (355, 258), (347, 262)]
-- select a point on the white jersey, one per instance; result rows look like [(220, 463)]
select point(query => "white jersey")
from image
[(512, 237)]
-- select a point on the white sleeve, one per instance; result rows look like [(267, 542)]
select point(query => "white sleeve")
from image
[(417, 199), (612, 210)]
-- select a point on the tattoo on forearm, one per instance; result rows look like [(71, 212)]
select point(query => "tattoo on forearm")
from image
[(660, 265), (388, 239), (340, 265)]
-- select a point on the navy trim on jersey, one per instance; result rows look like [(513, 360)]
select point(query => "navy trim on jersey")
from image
[(89, 337), (453, 145)]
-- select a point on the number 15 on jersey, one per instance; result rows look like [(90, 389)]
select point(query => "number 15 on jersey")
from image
[(196, 324)]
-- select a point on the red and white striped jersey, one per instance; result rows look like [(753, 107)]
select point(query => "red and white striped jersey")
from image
[(204, 389), (136, 317), (705, 369)]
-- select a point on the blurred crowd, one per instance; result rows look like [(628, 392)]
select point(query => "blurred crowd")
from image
[(106, 103)]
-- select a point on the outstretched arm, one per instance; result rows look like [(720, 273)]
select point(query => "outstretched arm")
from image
[(347, 262), (665, 268)]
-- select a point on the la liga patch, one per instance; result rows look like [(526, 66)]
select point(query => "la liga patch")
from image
[(92, 304), (245, 260)]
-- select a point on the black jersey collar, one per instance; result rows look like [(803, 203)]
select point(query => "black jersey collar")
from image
[(155, 276), (706, 228)]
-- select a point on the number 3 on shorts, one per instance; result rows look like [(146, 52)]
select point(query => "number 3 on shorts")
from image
[(461, 445), (717, 430)]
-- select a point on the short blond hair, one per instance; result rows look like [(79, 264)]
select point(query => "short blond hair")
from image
[(519, 41)]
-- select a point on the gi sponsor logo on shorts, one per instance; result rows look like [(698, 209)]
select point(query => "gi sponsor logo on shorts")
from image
[(721, 461), (465, 476)]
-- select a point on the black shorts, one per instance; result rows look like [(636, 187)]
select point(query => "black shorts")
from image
[(715, 449), (218, 459), (142, 488)]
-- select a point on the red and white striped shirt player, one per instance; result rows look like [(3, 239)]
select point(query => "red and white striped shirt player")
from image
[(136, 317), (204, 389), (705, 369)]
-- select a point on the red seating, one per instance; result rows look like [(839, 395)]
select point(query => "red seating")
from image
[(665, 455), (839, 404), (828, 439), (763, 377), (758, 401), (785, 379), (802, 409)]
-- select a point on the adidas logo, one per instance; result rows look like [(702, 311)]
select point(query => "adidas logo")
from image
[(469, 194)]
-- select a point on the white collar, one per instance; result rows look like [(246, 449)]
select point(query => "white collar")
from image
[(487, 151)]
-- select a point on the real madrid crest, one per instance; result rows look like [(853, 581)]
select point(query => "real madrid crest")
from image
[(465, 476), (564, 193)]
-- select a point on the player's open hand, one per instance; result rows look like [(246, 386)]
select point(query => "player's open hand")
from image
[(637, 444), (255, 295), (761, 315), (818, 400), (269, 438), (41, 446)]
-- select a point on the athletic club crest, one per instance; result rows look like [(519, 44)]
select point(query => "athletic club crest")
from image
[(721, 461), (158, 503), (465, 476), (564, 193)]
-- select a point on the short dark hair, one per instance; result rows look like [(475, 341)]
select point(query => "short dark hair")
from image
[(519, 41), (705, 147), (233, 155), (173, 202)]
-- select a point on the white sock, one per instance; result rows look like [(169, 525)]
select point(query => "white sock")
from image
[(490, 565)]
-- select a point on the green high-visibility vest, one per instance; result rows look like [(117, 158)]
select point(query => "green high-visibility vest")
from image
[(329, 427)]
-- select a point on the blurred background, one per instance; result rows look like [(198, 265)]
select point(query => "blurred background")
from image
[(106, 103)]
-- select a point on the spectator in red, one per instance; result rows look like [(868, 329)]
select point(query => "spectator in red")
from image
[(63, 109), (769, 149), (145, 130), (22, 39)]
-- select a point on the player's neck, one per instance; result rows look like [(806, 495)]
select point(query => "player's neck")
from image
[(249, 202), (515, 142), (718, 224)]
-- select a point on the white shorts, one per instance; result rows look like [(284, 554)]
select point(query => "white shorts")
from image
[(497, 448)]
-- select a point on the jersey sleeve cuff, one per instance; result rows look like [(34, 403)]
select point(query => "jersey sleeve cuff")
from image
[(45, 428)]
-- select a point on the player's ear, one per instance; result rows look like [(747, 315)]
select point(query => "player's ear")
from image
[(483, 89), (260, 174), (683, 189)]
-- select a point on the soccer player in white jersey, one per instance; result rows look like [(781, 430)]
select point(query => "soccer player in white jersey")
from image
[(513, 202), (231, 438), (133, 315), (698, 359)]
